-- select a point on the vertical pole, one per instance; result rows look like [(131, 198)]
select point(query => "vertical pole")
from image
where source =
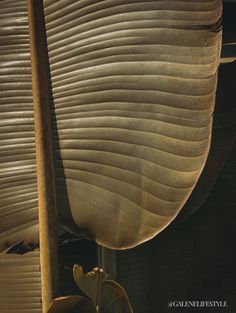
[(44, 156), (107, 260)]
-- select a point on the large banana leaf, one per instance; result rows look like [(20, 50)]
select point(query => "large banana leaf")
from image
[(144, 151), (18, 197), (20, 283), (134, 86)]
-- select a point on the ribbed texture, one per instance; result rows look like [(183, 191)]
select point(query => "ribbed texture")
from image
[(20, 286), (134, 85), (18, 197)]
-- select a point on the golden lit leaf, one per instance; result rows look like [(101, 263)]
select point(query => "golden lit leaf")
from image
[(133, 85)]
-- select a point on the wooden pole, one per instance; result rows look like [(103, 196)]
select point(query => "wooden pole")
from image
[(44, 156)]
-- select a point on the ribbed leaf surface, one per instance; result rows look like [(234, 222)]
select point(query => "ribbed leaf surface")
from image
[(134, 85), (20, 285), (18, 197)]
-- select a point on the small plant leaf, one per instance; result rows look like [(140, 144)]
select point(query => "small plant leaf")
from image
[(109, 296), (89, 282), (114, 298), (72, 304)]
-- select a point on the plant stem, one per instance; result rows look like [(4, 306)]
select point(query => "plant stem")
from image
[(44, 155), (98, 296), (107, 261)]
